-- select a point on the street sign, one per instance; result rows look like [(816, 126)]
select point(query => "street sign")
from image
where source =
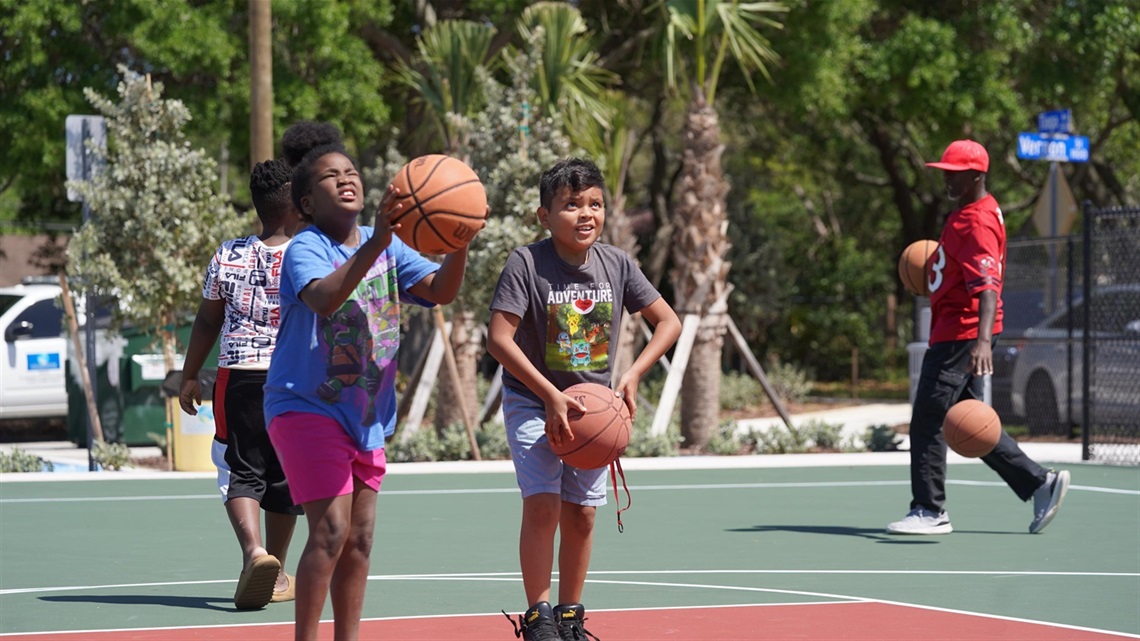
[(1061, 148), (81, 163), (1059, 121)]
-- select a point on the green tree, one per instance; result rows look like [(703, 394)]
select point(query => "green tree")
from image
[(324, 68), (156, 213), (878, 88), (443, 79)]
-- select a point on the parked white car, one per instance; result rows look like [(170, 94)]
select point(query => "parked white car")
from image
[(32, 381), (1040, 385)]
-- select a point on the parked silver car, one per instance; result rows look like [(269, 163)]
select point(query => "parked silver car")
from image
[(1040, 386)]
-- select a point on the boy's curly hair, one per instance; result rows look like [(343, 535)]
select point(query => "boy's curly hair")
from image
[(269, 188)]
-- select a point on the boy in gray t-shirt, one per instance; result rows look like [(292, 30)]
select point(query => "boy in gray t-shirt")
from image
[(555, 320)]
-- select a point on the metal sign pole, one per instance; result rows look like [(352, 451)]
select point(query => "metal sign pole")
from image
[(89, 313)]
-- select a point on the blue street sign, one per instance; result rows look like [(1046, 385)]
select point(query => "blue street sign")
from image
[(1031, 146), (1055, 122)]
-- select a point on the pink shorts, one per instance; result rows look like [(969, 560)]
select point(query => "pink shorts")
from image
[(319, 458)]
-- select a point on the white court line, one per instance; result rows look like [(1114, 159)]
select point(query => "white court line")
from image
[(840, 599), (633, 488), (516, 576)]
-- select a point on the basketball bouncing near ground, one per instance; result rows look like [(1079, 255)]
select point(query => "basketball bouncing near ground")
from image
[(971, 428), (444, 204)]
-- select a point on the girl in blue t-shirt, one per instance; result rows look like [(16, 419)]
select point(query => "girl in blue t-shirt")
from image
[(330, 396)]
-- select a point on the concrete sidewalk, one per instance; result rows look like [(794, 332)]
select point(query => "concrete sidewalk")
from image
[(855, 420)]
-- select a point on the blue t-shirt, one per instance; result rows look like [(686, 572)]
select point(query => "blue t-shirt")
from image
[(342, 366)]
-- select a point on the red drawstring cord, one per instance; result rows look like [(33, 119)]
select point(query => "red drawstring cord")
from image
[(629, 499)]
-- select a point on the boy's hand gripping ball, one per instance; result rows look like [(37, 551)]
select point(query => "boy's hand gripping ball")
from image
[(601, 434)]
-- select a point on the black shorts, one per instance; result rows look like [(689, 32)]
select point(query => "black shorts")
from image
[(255, 471)]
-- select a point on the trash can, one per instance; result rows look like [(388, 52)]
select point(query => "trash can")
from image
[(191, 437), (131, 403), (109, 397)]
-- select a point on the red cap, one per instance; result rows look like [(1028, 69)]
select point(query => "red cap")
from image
[(962, 155)]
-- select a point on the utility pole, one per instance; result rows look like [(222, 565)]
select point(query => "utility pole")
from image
[(260, 82)]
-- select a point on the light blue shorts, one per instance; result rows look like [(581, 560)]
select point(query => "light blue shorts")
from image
[(537, 469)]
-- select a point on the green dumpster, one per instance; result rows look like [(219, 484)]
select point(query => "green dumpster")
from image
[(131, 402)]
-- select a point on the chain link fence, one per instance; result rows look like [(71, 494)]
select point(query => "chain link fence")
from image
[(1044, 348), (1111, 346)]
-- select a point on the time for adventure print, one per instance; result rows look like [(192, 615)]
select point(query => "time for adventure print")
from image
[(578, 326)]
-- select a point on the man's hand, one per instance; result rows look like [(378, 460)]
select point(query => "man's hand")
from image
[(982, 358)]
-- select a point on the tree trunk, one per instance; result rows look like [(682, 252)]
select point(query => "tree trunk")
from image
[(465, 344), (700, 271), (700, 392), (260, 81), (619, 232)]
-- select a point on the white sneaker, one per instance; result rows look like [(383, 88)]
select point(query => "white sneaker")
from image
[(1047, 499), (922, 521)]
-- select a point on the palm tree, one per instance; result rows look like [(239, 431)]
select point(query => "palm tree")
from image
[(444, 77), (568, 79), (698, 37)]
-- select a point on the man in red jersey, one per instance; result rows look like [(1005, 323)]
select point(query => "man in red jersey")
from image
[(965, 277)]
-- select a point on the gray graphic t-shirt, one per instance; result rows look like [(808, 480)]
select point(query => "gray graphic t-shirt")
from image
[(571, 314)]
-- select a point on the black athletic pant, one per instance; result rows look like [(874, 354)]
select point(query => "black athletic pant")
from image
[(946, 379)]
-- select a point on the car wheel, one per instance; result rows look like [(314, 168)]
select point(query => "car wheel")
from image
[(1041, 411)]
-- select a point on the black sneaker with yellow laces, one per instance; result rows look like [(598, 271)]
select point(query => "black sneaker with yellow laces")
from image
[(571, 618), (536, 624)]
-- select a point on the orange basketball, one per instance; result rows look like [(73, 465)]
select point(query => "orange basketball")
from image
[(601, 434), (912, 266), (972, 428), (444, 204)]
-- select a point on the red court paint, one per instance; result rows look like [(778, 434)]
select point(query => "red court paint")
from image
[(857, 621)]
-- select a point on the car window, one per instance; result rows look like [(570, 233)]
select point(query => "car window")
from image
[(1115, 311), (6, 302), (45, 318), (1062, 321)]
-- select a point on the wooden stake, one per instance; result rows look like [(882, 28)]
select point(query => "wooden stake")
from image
[(676, 374), (423, 388), (453, 372), (757, 371), (88, 390)]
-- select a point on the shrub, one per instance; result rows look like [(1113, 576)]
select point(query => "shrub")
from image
[(790, 383), (779, 439), (880, 438), (740, 391), (111, 456), (644, 444), (20, 461), (160, 440), (725, 440), (826, 436), (451, 445), (421, 446)]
